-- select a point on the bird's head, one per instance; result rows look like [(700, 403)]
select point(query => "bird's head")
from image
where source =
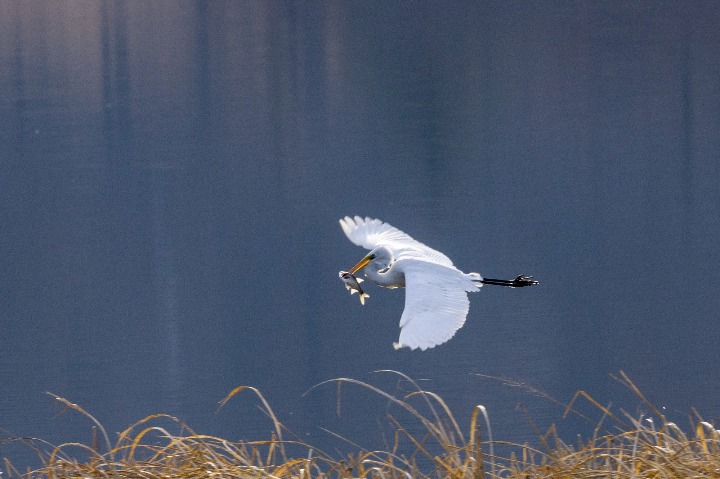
[(381, 258)]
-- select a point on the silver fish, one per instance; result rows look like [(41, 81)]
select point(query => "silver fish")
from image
[(352, 284)]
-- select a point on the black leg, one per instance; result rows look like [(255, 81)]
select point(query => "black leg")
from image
[(518, 282)]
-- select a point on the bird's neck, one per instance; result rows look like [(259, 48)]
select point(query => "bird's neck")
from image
[(388, 277)]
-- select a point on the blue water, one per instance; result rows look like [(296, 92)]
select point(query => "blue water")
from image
[(172, 175)]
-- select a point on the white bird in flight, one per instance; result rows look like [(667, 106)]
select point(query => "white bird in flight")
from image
[(436, 302)]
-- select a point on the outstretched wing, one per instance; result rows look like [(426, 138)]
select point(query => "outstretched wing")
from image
[(371, 233), (436, 303)]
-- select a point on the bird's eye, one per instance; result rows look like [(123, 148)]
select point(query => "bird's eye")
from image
[(371, 257)]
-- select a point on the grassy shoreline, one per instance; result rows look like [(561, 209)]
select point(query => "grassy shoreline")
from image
[(628, 448)]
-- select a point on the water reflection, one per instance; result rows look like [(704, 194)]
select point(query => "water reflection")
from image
[(173, 174)]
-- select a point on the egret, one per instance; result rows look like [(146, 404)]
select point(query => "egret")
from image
[(436, 301)]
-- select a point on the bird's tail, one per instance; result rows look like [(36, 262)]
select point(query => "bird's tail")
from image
[(475, 277)]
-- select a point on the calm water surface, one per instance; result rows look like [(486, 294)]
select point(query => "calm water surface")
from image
[(172, 173)]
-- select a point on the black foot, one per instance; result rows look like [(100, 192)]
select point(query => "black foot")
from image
[(521, 281), (518, 282)]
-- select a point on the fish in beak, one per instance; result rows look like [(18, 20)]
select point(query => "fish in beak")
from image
[(352, 284)]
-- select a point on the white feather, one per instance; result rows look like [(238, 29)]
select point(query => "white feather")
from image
[(371, 233), (436, 302)]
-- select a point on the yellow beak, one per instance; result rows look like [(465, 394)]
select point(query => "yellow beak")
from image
[(363, 262)]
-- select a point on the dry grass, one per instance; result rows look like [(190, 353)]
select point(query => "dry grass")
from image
[(637, 448)]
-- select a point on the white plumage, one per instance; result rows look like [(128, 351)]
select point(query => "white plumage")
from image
[(436, 302)]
